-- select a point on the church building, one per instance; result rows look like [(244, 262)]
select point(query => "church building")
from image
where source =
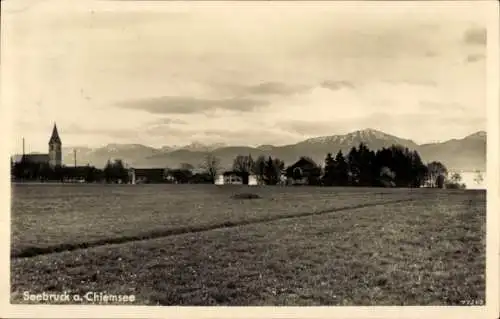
[(53, 158), (55, 146)]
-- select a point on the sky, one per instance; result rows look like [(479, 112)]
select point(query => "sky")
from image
[(171, 73)]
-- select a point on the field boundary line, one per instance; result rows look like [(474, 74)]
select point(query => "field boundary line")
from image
[(29, 252)]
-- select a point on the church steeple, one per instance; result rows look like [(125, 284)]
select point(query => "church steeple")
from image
[(55, 136), (55, 145)]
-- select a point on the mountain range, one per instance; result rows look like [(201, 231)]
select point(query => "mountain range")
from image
[(468, 153)]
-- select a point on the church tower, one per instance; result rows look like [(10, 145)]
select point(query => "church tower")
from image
[(55, 153)]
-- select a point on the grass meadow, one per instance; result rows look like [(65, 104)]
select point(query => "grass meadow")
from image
[(196, 245)]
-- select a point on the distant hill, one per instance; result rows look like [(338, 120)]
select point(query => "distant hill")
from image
[(468, 153), (130, 153)]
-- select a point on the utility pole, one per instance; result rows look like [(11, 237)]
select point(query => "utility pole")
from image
[(74, 156), (23, 158)]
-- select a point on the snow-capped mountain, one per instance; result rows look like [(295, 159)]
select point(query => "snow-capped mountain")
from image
[(468, 153), (374, 139)]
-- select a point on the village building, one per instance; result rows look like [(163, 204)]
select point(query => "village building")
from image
[(147, 175), (235, 178), (303, 172), (76, 174)]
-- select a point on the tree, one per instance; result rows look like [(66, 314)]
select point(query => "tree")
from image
[(272, 170), (330, 166), (365, 160), (418, 170), (387, 177), (211, 165), (115, 172), (108, 171), (478, 178), (353, 167), (436, 171), (202, 178), (454, 182), (341, 170), (181, 176), (187, 167), (279, 166), (456, 178), (314, 174), (440, 181), (243, 165), (92, 174), (120, 172), (259, 168)]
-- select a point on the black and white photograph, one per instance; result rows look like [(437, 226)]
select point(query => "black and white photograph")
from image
[(250, 154)]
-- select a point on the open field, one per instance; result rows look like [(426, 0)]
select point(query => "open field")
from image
[(294, 246), (49, 218)]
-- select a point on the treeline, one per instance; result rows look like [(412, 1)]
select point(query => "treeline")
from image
[(267, 170), (25, 170), (394, 166), (114, 172)]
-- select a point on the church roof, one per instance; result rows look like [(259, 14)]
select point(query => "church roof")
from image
[(36, 158), (55, 136)]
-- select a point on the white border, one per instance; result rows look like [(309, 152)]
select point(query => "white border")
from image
[(491, 310)]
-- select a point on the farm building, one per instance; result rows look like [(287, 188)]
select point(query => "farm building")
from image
[(76, 173), (234, 178), (146, 175), (304, 171)]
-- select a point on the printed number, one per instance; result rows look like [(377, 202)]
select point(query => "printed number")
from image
[(472, 302)]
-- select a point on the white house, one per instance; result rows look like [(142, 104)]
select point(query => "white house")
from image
[(233, 178)]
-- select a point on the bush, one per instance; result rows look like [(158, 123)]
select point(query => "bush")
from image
[(455, 186), (245, 196), (386, 183)]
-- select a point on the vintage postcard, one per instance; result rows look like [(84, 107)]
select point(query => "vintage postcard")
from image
[(250, 159)]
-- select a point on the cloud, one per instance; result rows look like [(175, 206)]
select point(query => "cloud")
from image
[(471, 58), (167, 127), (263, 89), (326, 78), (189, 105), (115, 133), (167, 121), (414, 82), (431, 54), (337, 85), (168, 131), (475, 36), (275, 88), (308, 128), (248, 136)]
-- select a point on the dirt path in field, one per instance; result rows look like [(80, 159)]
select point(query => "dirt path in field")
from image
[(36, 251)]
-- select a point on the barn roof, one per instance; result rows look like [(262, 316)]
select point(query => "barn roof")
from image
[(304, 162)]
